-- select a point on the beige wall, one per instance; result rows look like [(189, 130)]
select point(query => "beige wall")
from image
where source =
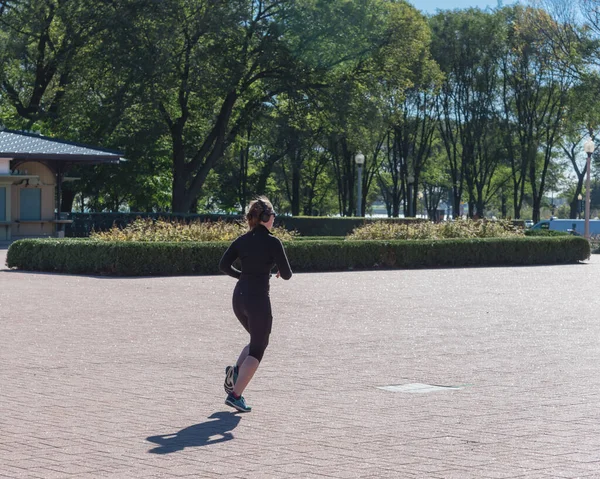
[(47, 183), (46, 176)]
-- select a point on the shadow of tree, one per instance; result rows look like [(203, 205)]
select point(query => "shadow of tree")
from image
[(203, 434)]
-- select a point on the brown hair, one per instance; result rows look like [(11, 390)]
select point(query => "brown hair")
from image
[(256, 208)]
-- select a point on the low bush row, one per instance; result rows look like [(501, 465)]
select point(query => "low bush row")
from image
[(427, 230), (320, 226), (86, 256), (175, 231), (149, 229), (84, 223)]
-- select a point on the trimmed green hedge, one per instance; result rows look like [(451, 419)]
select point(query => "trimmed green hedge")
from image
[(318, 238), (165, 259), (546, 233)]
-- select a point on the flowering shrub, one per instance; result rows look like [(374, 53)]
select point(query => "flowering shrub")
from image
[(595, 243), (427, 230), (179, 231)]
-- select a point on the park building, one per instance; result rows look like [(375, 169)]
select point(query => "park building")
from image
[(33, 169)]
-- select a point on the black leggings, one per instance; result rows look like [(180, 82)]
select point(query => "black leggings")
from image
[(253, 310)]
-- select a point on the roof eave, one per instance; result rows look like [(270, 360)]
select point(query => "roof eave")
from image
[(49, 139), (61, 157)]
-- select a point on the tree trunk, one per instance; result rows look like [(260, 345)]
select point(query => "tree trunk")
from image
[(179, 202), (479, 203), (265, 172), (395, 168), (244, 159), (575, 202), (296, 176), (456, 198)]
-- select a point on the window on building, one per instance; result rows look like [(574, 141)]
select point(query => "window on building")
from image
[(31, 204)]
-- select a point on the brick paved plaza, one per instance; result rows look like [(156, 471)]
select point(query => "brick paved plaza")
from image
[(122, 377)]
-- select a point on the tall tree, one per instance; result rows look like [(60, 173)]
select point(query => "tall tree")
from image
[(370, 100), (413, 136), (535, 93), (223, 60), (42, 45), (466, 44), (583, 113)]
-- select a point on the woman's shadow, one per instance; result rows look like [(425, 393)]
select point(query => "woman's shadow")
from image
[(203, 434)]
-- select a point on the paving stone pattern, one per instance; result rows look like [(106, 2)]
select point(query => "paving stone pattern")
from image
[(122, 377)]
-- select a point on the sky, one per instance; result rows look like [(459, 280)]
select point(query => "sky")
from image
[(431, 6)]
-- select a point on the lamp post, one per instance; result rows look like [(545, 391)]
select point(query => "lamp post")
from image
[(360, 161), (410, 180), (588, 147)]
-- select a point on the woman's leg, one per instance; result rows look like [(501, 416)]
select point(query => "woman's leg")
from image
[(245, 374), (240, 312), (232, 372), (259, 323), (243, 356)]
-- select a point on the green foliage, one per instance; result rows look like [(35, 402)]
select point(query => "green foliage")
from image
[(176, 231), (44, 47), (317, 238), (214, 102), (121, 258), (317, 226), (427, 230), (468, 45), (595, 244), (157, 258)]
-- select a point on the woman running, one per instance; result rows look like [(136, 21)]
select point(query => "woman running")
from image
[(258, 251)]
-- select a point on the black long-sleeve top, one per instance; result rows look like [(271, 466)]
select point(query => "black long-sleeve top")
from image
[(258, 251)]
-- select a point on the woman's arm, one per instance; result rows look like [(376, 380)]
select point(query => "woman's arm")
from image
[(226, 263), (281, 260)]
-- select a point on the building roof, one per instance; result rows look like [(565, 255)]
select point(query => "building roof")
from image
[(20, 145)]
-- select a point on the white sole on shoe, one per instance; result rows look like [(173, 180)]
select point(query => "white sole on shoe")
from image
[(228, 384)]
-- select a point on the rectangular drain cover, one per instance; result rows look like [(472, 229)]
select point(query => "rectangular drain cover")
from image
[(418, 388)]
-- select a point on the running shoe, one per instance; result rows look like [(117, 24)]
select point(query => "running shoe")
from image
[(231, 375), (237, 403)]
